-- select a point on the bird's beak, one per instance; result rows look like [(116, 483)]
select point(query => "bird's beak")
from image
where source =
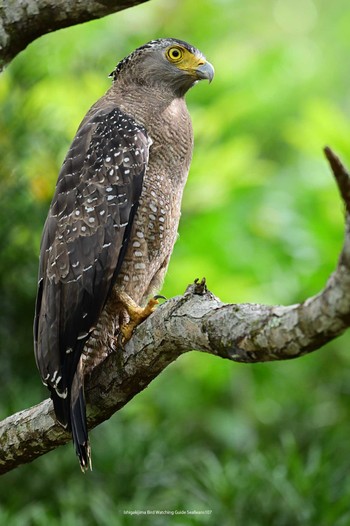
[(205, 71)]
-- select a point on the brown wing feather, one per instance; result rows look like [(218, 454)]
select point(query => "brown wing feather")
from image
[(84, 240)]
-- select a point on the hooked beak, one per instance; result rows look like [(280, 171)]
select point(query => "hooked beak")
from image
[(205, 71)]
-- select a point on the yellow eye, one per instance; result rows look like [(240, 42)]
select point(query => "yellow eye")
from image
[(174, 54)]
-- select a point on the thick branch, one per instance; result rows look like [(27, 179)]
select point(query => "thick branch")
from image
[(197, 320), (22, 21)]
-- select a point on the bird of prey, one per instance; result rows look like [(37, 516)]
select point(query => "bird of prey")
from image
[(113, 221)]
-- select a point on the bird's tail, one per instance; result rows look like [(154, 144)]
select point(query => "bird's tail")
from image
[(78, 422), (71, 414)]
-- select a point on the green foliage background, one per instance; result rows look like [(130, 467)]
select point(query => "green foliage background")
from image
[(256, 444)]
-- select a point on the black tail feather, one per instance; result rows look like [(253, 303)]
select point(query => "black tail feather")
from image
[(79, 424), (71, 414), (62, 409)]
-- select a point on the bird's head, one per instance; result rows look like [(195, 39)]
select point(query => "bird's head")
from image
[(167, 63)]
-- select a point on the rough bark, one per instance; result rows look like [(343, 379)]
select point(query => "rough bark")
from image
[(22, 21), (197, 320)]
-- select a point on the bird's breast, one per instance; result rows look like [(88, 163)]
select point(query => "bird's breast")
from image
[(155, 226)]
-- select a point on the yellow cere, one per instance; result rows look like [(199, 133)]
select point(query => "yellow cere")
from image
[(183, 58)]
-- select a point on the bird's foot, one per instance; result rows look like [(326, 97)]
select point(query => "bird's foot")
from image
[(136, 314)]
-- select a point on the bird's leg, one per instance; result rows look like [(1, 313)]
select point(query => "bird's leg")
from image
[(136, 313)]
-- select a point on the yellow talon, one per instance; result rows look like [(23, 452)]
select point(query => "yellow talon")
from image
[(136, 314)]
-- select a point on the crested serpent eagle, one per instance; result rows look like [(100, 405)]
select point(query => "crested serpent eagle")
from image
[(113, 221)]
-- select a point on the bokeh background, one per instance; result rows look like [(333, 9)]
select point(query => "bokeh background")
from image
[(261, 444)]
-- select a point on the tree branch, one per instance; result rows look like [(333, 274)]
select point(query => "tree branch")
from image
[(198, 320), (22, 21)]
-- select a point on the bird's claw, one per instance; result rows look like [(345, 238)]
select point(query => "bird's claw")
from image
[(137, 315)]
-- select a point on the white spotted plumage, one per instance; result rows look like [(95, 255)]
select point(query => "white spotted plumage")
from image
[(87, 224)]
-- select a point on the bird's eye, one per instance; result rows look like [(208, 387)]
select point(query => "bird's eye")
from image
[(174, 54)]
